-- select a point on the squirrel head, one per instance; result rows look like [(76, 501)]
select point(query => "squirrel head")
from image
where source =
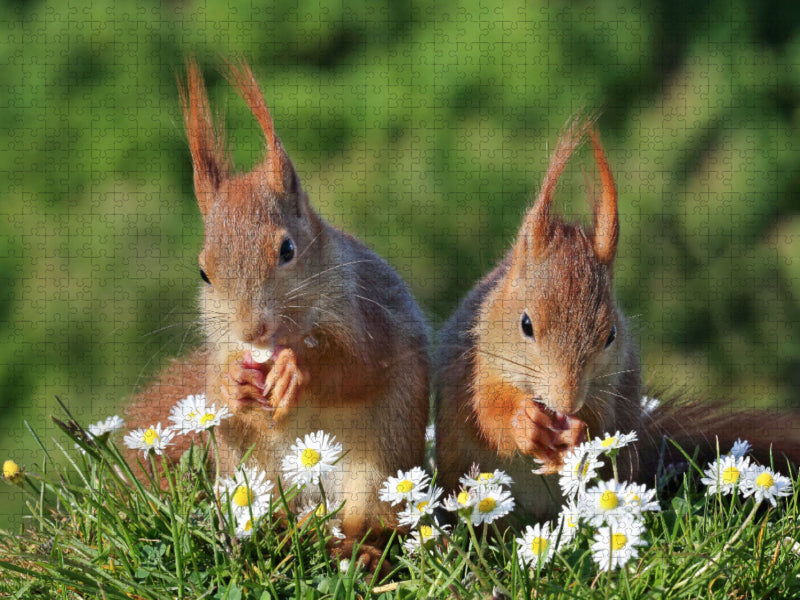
[(551, 327), (263, 242)]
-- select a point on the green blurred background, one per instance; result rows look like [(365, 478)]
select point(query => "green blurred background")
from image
[(421, 127)]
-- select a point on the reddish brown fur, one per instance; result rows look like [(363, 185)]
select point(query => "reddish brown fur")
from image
[(153, 405), (349, 342), (493, 379)]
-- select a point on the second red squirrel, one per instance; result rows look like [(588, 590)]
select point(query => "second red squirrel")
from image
[(538, 356)]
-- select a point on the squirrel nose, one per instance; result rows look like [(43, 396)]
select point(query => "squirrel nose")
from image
[(565, 396), (258, 331)]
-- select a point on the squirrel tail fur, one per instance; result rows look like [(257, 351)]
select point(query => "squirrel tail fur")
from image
[(705, 430)]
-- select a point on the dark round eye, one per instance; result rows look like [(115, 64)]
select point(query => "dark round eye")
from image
[(611, 336), (287, 251), (204, 277), (527, 326)]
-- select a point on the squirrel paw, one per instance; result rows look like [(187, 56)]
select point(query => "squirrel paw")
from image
[(243, 385), (367, 555), (285, 380), (545, 434)]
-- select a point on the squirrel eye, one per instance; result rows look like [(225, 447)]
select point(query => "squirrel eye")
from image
[(286, 251), (611, 336), (204, 277), (527, 326)]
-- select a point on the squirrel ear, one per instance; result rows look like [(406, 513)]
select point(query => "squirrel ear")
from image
[(536, 229), (281, 175), (210, 158), (606, 220)]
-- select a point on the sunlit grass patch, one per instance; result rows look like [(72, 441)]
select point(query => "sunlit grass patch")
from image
[(96, 531)]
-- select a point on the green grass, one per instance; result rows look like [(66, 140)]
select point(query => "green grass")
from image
[(95, 531)]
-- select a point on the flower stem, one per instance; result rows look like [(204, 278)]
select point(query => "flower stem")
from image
[(213, 437), (479, 549)]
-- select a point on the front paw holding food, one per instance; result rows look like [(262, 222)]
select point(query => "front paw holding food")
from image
[(546, 435)]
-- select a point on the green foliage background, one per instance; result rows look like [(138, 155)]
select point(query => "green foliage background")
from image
[(422, 127)]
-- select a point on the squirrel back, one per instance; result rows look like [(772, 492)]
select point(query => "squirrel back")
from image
[(305, 327)]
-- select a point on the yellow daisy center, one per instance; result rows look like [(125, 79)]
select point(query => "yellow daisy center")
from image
[(572, 522), (608, 442), (249, 525), (618, 541), (422, 506), (425, 532), (584, 468), (539, 545), (484, 477), (487, 505), (608, 500), (309, 458), (243, 496), (322, 510), (765, 481), (405, 486), (634, 499), (191, 416), (206, 418), (730, 475), (463, 497), (11, 470), (150, 437)]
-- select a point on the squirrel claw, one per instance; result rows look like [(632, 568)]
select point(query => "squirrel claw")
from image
[(544, 434), (284, 383)]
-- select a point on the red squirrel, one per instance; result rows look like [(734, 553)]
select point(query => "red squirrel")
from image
[(305, 328), (539, 356)]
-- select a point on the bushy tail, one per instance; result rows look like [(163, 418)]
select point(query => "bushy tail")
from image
[(705, 430)]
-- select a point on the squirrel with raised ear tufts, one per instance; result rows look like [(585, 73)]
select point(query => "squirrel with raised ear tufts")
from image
[(305, 328), (539, 356)]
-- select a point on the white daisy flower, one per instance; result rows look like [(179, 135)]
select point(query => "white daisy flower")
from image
[(461, 501), (536, 546), (423, 536), (740, 448), (102, 429), (613, 442), (567, 525), (110, 425), (336, 532), (248, 491), (310, 458), (580, 466), (476, 478), (191, 415), (153, 438), (638, 499), (604, 503), (614, 547), (414, 511), (244, 526), (649, 404), (764, 484), (490, 503), (724, 475), (408, 486)]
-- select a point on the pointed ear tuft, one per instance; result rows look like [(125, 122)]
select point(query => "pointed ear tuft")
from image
[(536, 229), (606, 219), (210, 158), (281, 175)]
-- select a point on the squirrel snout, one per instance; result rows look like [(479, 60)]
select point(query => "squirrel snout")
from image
[(565, 397), (258, 329)]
